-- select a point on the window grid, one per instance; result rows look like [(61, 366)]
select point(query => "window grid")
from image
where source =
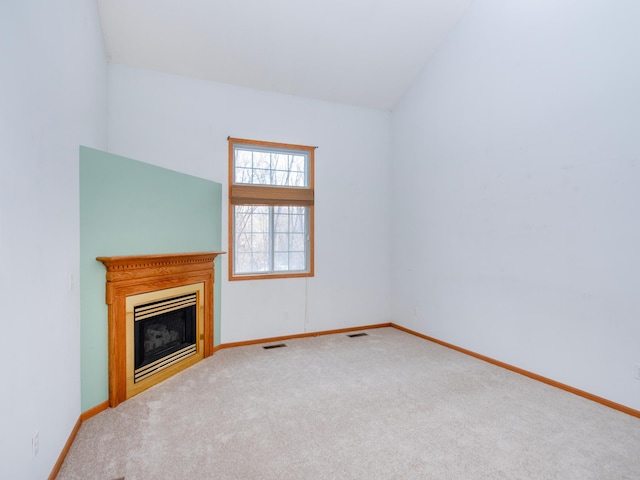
[(253, 167), (270, 239)]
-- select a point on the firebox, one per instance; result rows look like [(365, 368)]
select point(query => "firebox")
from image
[(164, 333)]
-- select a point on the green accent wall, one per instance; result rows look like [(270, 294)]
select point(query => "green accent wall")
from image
[(129, 207)]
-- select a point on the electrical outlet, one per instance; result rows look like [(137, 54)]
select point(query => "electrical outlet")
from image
[(35, 444), (636, 371)]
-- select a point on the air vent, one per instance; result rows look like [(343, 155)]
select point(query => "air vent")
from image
[(269, 347), (353, 335)]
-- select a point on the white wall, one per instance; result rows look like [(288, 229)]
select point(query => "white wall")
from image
[(182, 124), (516, 191), (53, 98)]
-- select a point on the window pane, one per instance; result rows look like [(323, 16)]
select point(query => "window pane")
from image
[(280, 177), (280, 262), (251, 209), (297, 223), (281, 242), (260, 262), (297, 261), (280, 161), (262, 160), (297, 210), (244, 158), (297, 179), (270, 167), (243, 175), (261, 176), (296, 243), (242, 262), (298, 163), (280, 223), (259, 242)]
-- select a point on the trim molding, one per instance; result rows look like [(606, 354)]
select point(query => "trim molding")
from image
[(84, 416), (526, 373), (65, 450), (300, 335), (92, 412)]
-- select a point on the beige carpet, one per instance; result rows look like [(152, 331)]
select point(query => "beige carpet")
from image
[(384, 406)]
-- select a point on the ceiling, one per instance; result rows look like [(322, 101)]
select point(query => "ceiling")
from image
[(358, 52)]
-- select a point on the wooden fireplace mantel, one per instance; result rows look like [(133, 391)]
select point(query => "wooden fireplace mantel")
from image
[(135, 274)]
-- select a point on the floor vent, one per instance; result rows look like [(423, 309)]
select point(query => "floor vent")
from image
[(353, 335), (269, 347)]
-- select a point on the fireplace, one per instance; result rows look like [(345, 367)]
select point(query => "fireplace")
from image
[(160, 318)]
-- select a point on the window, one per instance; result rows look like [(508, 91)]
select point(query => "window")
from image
[(270, 210)]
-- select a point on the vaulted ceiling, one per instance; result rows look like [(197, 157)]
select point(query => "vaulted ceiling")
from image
[(358, 52)]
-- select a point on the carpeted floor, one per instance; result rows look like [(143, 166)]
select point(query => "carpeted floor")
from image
[(383, 406)]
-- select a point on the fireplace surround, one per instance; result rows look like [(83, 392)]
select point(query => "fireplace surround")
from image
[(160, 318)]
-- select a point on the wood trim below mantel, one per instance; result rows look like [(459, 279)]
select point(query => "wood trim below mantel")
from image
[(136, 274)]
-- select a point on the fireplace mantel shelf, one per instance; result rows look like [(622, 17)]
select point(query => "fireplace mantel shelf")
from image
[(146, 261), (135, 266), (136, 274)]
